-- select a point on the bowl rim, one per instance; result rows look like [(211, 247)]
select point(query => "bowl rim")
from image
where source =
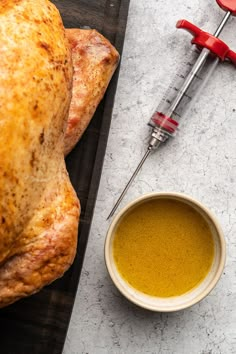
[(184, 198)]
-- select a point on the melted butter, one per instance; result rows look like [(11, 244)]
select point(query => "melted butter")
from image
[(163, 248)]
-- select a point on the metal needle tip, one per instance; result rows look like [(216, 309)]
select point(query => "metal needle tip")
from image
[(129, 183)]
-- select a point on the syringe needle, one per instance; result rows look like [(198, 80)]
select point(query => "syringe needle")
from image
[(130, 181)]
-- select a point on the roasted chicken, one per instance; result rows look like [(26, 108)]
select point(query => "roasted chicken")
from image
[(39, 210)]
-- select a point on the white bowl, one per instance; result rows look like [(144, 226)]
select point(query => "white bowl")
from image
[(178, 302)]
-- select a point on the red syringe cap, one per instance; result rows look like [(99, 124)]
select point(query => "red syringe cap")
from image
[(228, 5), (206, 40)]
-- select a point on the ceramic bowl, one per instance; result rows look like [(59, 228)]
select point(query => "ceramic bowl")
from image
[(178, 302)]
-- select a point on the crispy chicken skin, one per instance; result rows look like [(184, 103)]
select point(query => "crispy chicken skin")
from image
[(94, 61), (39, 210)]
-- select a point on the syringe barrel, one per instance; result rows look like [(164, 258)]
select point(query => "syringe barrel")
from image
[(183, 91)]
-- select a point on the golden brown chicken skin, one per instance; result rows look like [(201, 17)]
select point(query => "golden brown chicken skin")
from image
[(39, 210), (94, 61)]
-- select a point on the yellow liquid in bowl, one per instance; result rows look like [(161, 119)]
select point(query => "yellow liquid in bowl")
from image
[(163, 248)]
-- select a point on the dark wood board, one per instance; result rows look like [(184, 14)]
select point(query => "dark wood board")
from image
[(38, 324)]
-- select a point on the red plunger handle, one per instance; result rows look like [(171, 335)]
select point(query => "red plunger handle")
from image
[(206, 40), (228, 5), (232, 56)]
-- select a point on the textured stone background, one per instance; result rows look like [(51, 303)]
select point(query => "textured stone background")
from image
[(200, 161)]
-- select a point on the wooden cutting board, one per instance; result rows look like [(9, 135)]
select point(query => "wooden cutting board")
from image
[(38, 324)]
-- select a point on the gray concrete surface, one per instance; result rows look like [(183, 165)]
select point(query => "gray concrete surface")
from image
[(200, 161)]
